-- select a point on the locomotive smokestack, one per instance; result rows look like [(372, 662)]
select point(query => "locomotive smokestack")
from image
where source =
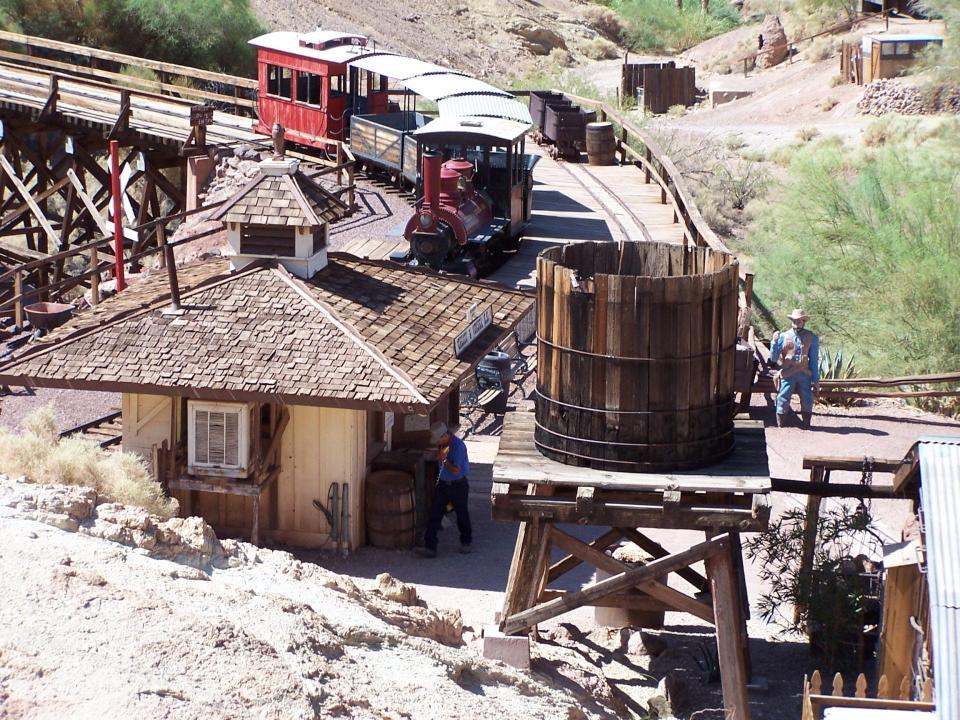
[(431, 180)]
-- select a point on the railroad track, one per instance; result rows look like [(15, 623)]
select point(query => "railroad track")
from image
[(106, 430)]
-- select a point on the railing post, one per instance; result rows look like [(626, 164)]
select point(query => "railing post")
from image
[(18, 298), (95, 277), (649, 156), (748, 288), (623, 145), (663, 189)]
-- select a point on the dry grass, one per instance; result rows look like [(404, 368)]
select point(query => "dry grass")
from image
[(822, 48), (605, 21), (599, 49), (806, 134), (40, 455), (828, 103), (838, 80)]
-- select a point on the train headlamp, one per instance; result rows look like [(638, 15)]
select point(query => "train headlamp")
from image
[(425, 221)]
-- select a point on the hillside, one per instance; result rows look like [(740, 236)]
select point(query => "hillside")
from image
[(493, 39)]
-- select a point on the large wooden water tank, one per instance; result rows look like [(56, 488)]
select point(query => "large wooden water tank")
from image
[(636, 346)]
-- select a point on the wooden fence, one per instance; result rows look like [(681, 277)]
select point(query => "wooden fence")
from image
[(637, 148), (663, 85), (885, 697)]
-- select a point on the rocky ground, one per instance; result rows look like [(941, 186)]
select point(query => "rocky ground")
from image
[(109, 612)]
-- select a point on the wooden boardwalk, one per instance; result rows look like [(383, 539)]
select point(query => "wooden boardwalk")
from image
[(572, 202)]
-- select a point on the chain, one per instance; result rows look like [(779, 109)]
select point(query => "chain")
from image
[(866, 479)]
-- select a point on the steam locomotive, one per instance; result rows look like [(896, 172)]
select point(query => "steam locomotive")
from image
[(473, 179)]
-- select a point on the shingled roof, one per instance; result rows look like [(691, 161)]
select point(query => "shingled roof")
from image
[(291, 200), (359, 334)]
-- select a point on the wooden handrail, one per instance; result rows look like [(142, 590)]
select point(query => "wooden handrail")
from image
[(82, 51), (657, 165)]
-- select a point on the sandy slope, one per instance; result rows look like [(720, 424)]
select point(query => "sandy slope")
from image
[(108, 613)]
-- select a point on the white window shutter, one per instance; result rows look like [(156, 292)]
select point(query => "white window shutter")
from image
[(202, 436)]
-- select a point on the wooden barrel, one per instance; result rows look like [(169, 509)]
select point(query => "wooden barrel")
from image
[(636, 355), (601, 145), (389, 509)]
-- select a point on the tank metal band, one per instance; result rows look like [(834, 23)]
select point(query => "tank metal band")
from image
[(728, 403), (678, 443), (629, 358), (633, 463)]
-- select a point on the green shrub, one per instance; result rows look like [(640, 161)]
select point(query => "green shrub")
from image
[(207, 34), (658, 25), (867, 240)]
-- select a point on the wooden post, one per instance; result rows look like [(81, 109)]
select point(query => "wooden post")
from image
[(255, 523), (748, 288), (726, 608), (523, 577), (817, 475), (623, 145), (95, 277), (18, 298), (646, 167)]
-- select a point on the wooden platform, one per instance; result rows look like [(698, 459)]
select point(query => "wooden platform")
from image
[(730, 495)]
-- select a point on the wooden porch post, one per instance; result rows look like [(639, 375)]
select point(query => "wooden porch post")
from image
[(726, 608)]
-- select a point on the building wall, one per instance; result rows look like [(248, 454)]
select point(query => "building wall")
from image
[(320, 447), (148, 420)]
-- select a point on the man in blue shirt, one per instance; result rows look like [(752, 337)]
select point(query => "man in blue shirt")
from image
[(798, 352), (452, 489)]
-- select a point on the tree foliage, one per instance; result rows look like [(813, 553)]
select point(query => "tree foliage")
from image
[(869, 242), (208, 34), (668, 25)]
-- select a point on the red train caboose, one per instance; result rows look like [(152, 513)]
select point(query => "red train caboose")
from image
[(308, 86)]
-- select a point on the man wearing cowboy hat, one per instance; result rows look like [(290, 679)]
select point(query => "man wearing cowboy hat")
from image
[(453, 488), (798, 352)]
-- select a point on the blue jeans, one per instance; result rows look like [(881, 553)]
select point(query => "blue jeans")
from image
[(802, 384), (456, 492)]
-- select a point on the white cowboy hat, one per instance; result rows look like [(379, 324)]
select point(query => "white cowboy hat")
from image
[(437, 431), (798, 314)]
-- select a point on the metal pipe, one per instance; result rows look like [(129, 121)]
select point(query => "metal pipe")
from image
[(345, 520), (117, 208), (172, 276), (431, 180)]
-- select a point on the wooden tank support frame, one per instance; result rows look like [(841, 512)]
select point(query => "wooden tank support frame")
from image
[(528, 601)]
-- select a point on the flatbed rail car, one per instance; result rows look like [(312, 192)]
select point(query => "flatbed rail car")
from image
[(476, 195), (386, 141)]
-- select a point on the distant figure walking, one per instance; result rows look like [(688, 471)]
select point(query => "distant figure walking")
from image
[(453, 488), (797, 351), (760, 42)]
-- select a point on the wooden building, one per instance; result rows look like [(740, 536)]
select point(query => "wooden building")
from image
[(875, 57), (264, 381)]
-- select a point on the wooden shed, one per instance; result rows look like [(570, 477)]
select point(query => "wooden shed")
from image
[(264, 390), (875, 57)]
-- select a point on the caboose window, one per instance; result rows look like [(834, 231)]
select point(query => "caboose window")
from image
[(280, 81), (309, 87), (338, 84)]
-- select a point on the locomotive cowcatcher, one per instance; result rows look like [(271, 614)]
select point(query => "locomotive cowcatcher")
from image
[(475, 194)]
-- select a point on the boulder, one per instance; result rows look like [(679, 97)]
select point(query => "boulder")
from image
[(774, 49), (392, 589), (537, 39)]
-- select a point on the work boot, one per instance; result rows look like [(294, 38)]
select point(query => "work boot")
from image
[(807, 417), (780, 420)]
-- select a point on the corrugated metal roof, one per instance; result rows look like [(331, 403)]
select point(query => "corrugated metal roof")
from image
[(442, 85), (940, 499), (494, 128), (485, 106), (397, 67)]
